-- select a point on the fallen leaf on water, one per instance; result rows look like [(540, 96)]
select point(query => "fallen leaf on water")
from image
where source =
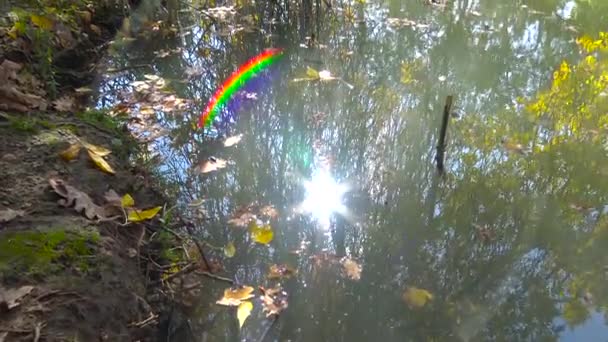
[(98, 150), (233, 140), (351, 268), (312, 73), (12, 297), (261, 234), (196, 203), (269, 211), (229, 250), (234, 296), (280, 271), (243, 312), (211, 165), (136, 215), (242, 217), (127, 201), (415, 297), (71, 152), (100, 162), (273, 300), (78, 199), (9, 214)]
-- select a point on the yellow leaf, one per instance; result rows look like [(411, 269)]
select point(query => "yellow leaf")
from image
[(127, 201), (71, 152), (98, 150), (310, 72), (416, 298), (100, 162), (229, 250), (42, 22), (17, 29), (261, 234), (243, 312), (136, 215)]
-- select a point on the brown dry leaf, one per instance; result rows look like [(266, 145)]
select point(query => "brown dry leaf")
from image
[(415, 297), (9, 214), (65, 104), (71, 152), (231, 141), (12, 297), (273, 300), (98, 150), (100, 162), (233, 296), (78, 199), (269, 211), (211, 165), (243, 216), (113, 198), (11, 98), (351, 268), (281, 271)]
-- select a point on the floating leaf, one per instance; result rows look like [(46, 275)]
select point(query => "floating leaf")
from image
[(211, 165), (351, 268), (269, 211), (273, 300), (100, 162), (243, 312), (280, 271), (242, 217), (233, 296), (196, 203), (261, 234), (127, 201), (71, 152), (415, 297), (229, 250), (136, 215), (98, 150), (312, 73), (231, 141), (42, 22)]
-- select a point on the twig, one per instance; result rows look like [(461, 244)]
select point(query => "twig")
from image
[(145, 322), (274, 320), (444, 127), (187, 269), (37, 331), (216, 277), (198, 245)]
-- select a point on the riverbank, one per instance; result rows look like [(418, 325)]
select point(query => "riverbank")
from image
[(85, 234)]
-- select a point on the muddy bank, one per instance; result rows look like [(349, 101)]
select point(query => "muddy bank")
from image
[(75, 265)]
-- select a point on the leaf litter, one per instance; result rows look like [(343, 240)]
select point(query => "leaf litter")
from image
[(72, 197)]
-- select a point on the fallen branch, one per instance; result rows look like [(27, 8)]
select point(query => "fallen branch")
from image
[(37, 331)]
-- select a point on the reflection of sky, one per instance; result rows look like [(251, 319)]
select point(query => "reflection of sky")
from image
[(594, 329)]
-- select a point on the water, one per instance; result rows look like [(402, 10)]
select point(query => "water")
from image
[(508, 245)]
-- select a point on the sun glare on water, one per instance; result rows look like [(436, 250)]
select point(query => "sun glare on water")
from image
[(323, 197)]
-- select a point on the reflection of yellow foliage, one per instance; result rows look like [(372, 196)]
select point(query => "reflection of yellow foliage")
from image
[(575, 313)]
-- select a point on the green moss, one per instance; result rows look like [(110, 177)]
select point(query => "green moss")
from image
[(100, 119), (23, 125), (37, 253)]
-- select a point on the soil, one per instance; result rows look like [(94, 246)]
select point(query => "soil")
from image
[(97, 294), (63, 276)]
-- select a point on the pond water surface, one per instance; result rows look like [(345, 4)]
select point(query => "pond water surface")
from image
[(509, 244)]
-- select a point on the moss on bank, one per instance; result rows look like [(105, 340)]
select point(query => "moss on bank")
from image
[(40, 253)]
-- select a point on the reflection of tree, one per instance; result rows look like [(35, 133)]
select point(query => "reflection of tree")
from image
[(538, 205)]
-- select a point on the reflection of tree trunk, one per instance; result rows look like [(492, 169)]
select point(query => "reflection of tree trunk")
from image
[(338, 235), (172, 8)]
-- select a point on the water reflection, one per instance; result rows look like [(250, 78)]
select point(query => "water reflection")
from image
[(509, 243)]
